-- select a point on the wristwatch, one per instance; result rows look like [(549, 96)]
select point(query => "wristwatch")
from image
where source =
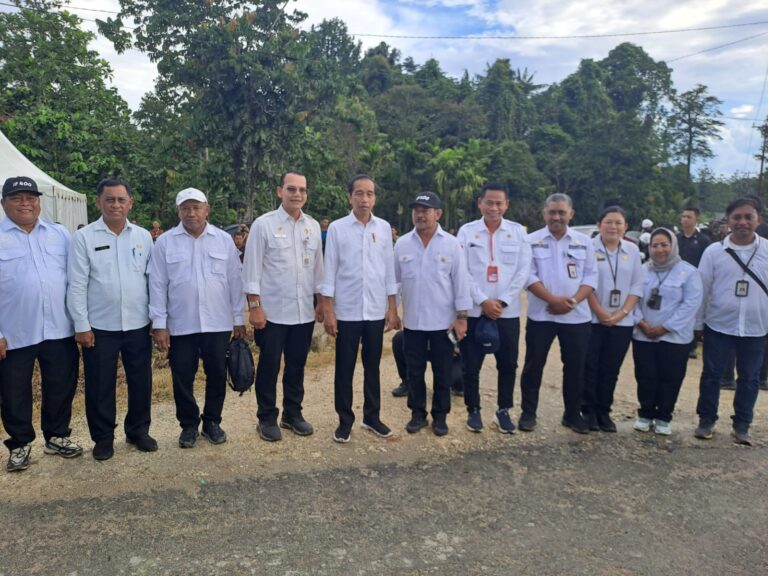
[(254, 304)]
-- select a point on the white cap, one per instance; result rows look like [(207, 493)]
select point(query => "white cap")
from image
[(190, 194), (647, 223), (645, 238)]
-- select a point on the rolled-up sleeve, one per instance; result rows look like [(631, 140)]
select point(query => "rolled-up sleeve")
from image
[(590, 277)]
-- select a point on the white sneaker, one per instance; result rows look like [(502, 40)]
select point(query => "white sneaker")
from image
[(63, 446), (642, 425), (662, 427), (19, 458)]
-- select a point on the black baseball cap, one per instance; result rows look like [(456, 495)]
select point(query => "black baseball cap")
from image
[(428, 199), (20, 184)]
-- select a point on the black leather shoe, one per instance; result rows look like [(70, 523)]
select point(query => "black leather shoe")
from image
[(605, 423), (104, 449), (576, 423), (591, 419), (297, 425), (143, 443), (188, 438), (269, 432), (401, 391), (415, 424), (527, 422), (213, 433), (439, 427)]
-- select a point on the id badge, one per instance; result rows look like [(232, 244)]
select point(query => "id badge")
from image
[(614, 299), (572, 273), (742, 288), (306, 260), (492, 274)]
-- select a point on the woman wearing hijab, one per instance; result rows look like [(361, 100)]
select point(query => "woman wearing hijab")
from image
[(663, 331), (619, 287)]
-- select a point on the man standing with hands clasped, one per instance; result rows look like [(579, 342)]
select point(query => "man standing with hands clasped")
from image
[(282, 271), (360, 294), (429, 264), (108, 300), (196, 303), (498, 258)]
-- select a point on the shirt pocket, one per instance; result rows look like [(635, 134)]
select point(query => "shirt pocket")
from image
[(179, 267), (671, 292), (444, 264), (57, 254), (10, 263), (407, 266), (510, 253), (217, 264)]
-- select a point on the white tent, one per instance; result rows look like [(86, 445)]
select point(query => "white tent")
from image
[(60, 204)]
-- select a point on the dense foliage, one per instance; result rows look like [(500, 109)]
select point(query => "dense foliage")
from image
[(243, 94)]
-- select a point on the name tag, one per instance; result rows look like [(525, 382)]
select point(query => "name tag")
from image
[(492, 274), (99, 248), (276, 235)]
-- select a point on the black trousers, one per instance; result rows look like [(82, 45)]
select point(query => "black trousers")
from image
[(100, 367), (184, 359), (574, 342), (348, 339), (659, 370), (420, 346), (608, 347), (506, 363), (58, 361), (275, 341), (398, 351)]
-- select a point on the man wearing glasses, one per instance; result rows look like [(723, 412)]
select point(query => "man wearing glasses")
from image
[(282, 271)]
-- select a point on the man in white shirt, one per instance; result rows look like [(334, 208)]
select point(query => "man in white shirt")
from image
[(429, 264), (282, 272), (34, 326), (734, 318), (563, 275), (360, 293), (498, 259), (108, 300), (196, 303)]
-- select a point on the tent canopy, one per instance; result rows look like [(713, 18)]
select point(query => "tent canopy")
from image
[(59, 203)]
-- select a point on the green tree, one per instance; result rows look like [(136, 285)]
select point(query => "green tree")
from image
[(694, 124)]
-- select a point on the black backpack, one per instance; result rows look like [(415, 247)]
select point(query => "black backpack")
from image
[(240, 371)]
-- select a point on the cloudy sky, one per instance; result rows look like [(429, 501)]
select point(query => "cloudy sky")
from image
[(732, 61)]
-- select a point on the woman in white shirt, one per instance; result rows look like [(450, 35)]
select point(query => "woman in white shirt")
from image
[(663, 333)]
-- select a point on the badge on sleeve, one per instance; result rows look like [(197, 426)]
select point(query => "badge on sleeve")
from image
[(492, 274), (614, 299), (572, 273), (742, 289)]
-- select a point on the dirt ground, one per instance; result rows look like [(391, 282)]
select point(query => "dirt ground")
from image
[(547, 502)]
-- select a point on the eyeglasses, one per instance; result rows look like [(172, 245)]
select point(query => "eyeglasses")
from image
[(294, 190)]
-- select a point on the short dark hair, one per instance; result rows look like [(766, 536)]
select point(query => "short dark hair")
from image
[(612, 210), (284, 174), (693, 209), (356, 178), (744, 201), (494, 186), (109, 182)]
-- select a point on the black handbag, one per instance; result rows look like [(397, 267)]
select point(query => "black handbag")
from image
[(241, 373)]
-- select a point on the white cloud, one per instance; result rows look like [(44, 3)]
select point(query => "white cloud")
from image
[(742, 111)]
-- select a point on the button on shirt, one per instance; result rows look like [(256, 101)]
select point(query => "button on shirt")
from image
[(680, 292), (195, 284), (433, 279), (549, 266), (507, 250), (33, 284), (722, 310), (283, 264), (625, 263), (359, 268), (108, 278)]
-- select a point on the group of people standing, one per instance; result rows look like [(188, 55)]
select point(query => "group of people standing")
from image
[(111, 290)]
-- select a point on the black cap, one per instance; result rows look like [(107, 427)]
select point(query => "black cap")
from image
[(428, 199), (20, 184)]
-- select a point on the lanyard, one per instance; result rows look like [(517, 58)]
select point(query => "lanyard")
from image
[(614, 271), (661, 280), (746, 266), (490, 241)]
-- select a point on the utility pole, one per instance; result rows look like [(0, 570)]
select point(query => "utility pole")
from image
[(762, 157)]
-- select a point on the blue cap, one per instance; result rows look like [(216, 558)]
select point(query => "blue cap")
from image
[(487, 335)]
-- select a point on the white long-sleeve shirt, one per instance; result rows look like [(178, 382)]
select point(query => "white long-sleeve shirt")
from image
[(283, 264), (434, 282), (33, 284), (721, 309), (507, 249), (108, 278), (195, 284), (551, 258), (359, 268)]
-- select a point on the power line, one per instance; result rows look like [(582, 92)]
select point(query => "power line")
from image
[(717, 47)]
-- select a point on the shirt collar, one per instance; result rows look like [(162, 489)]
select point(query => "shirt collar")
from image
[(285, 216), (101, 225), (751, 246), (179, 230), (7, 224)]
